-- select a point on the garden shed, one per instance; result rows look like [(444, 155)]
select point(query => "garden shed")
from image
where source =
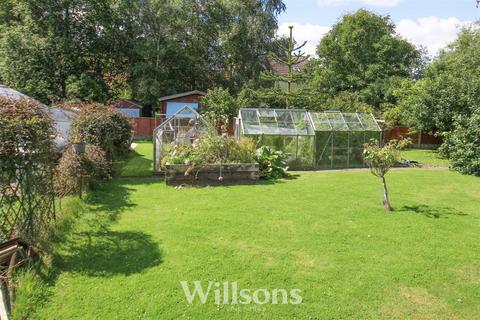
[(312, 140), (129, 108), (183, 127), (169, 105)]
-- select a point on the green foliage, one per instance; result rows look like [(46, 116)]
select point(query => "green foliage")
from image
[(31, 293), (211, 148), (159, 47), (462, 145), (273, 164), (449, 88), (381, 159), (26, 169), (105, 127), (362, 53), (85, 88), (81, 171), (290, 55), (219, 106)]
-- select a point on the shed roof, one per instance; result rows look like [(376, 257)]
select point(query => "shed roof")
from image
[(127, 104), (181, 95)]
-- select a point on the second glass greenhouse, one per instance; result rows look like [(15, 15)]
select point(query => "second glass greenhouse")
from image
[(311, 139)]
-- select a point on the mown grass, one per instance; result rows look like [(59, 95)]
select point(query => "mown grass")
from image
[(322, 232), (425, 157), (139, 162)]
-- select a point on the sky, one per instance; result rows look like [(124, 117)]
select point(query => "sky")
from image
[(428, 23)]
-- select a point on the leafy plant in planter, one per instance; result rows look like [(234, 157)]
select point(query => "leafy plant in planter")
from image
[(273, 164)]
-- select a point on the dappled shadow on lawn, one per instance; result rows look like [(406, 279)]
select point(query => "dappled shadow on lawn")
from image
[(432, 212), (106, 253), (90, 246)]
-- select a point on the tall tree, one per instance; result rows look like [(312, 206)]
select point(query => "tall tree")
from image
[(291, 56), (361, 54)]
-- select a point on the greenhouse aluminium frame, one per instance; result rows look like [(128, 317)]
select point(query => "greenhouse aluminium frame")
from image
[(311, 139), (183, 127)]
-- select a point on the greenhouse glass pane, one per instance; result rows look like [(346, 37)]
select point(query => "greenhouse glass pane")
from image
[(302, 123), (369, 122), (320, 121), (356, 158), (337, 121), (252, 128), (353, 122), (249, 115), (323, 150)]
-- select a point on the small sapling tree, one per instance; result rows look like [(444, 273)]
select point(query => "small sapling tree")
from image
[(380, 160)]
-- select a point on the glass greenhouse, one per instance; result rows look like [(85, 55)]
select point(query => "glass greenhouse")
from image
[(312, 140), (183, 127)]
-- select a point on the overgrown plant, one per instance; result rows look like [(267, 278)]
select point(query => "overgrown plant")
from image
[(211, 148), (273, 164), (77, 172), (380, 160), (27, 203)]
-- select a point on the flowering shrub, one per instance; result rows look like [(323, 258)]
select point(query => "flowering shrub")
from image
[(105, 127)]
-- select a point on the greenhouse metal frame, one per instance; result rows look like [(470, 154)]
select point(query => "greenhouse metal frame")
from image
[(183, 127), (311, 139)]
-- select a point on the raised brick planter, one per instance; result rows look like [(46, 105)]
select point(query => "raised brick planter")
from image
[(213, 174)]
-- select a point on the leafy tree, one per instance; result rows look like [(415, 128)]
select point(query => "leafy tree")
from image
[(462, 145), (85, 88), (361, 54), (219, 106), (380, 160), (449, 88)]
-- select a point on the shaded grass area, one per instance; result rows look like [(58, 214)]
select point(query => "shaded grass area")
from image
[(425, 157), (324, 233), (138, 162)]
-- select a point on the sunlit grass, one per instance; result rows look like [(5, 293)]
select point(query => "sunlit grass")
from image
[(322, 232)]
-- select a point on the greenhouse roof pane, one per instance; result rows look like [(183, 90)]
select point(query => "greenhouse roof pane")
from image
[(303, 123), (369, 122), (275, 122)]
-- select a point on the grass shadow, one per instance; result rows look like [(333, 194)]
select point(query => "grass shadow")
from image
[(90, 247), (432, 212), (105, 253)]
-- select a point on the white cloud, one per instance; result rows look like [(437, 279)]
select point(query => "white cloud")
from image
[(384, 3), (312, 33), (433, 33)]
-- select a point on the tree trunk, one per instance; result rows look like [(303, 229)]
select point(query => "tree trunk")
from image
[(386, 200)]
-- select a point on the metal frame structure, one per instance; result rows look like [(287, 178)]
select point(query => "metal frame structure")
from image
[(183, 127), (324, 139)]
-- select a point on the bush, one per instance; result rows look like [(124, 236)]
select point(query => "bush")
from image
[(104, 127), (462, 145), (26, 170), (91, 167), (273, 164)]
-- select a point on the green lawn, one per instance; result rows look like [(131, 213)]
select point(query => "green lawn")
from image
[(322, 232), (425, 157), (139, 162)]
